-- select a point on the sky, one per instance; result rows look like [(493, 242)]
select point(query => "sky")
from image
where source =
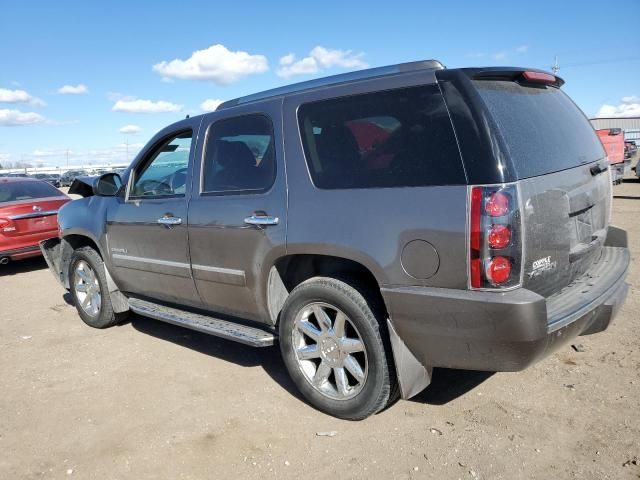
[(86, 79)]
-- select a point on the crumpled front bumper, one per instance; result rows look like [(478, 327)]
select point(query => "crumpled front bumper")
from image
[(52, 250)]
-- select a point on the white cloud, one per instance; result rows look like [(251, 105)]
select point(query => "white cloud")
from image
[(133, 105), (216, 64), (287, 59), (5, 157), (522, 49), (19, 96), (79, 89), (130, 129), (629, 107), (210, 104), (43, 153), (306, 66), (338, 58), (499, 56), (320, 58), (14, 118)]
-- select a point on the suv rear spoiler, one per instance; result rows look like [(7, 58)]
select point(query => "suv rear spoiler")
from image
[(515, 74)]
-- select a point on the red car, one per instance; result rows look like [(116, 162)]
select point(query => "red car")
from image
[(28, 214)]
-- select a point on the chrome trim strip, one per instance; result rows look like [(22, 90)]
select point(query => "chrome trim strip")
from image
[(154, 261), (228, 271), (22, 216)]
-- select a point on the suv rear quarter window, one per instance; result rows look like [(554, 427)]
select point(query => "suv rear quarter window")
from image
[(394, 138)]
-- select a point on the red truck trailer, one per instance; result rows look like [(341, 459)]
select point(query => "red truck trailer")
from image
[(613, 142)]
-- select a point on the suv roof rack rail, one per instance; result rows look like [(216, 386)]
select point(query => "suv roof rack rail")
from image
[(335, 80)]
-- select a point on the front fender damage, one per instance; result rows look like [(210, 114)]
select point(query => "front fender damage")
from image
[(57, 253)]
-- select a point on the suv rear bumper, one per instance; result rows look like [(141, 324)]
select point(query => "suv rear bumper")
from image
[(478, 330)]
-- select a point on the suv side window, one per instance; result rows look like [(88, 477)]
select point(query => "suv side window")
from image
[(164, 173), (239, 155), (394, 138)]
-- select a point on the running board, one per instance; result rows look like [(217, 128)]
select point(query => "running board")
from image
[(251, 336)]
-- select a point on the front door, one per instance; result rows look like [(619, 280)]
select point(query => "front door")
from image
[(147, 227), (237, 221)]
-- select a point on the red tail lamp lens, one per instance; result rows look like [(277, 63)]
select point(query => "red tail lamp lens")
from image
[(476, 272), (476, 214), (497, 204), (499, 270), (499, 236), (539, 77)]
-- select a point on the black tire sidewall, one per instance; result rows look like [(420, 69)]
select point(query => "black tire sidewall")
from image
[(375, 392)]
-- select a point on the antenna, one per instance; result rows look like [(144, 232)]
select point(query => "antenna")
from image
[(556, 66)]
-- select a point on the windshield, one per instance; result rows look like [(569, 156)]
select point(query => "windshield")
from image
[(543, 129), (16, 191)]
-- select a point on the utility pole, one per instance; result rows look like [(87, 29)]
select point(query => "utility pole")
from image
[(126, 144), (556, 66), (67, 158)]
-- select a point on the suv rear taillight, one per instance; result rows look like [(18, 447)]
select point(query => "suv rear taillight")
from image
[(495, 237)]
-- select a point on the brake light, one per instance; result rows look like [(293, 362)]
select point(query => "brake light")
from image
[(497, 204), (499, 236), (539, 77), (498, 270), (495, 247), (7, 225)]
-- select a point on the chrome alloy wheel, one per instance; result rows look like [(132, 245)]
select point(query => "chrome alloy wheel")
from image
[(87, 288), (330, 351)]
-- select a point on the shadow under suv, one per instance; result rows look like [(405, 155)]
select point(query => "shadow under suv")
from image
[(375, 224)]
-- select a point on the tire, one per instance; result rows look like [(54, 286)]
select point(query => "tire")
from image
[(87, 260), (338, 388)]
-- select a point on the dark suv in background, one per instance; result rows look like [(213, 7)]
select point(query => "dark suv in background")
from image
[(376, 224), (67, 178)]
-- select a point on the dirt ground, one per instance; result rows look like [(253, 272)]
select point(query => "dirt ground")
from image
[(150, 400)]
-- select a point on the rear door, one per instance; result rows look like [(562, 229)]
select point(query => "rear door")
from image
[(237, 214), (147, 227)]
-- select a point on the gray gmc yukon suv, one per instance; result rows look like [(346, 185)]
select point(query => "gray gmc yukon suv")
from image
[(375, 224)]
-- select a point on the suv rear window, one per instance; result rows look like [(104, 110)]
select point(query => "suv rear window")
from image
[(544, 130), (16, 191), (395, 138)]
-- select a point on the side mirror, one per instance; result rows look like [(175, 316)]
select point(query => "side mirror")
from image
[(107, 185)]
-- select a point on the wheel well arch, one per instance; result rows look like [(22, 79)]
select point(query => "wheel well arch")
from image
[(291, 270), (69, 244), (76, 241)]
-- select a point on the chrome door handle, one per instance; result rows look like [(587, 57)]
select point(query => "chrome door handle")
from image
[(261, 220), (169, 221)]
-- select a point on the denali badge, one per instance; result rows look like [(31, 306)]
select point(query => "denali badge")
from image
[(542, 265), (119, 250)]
